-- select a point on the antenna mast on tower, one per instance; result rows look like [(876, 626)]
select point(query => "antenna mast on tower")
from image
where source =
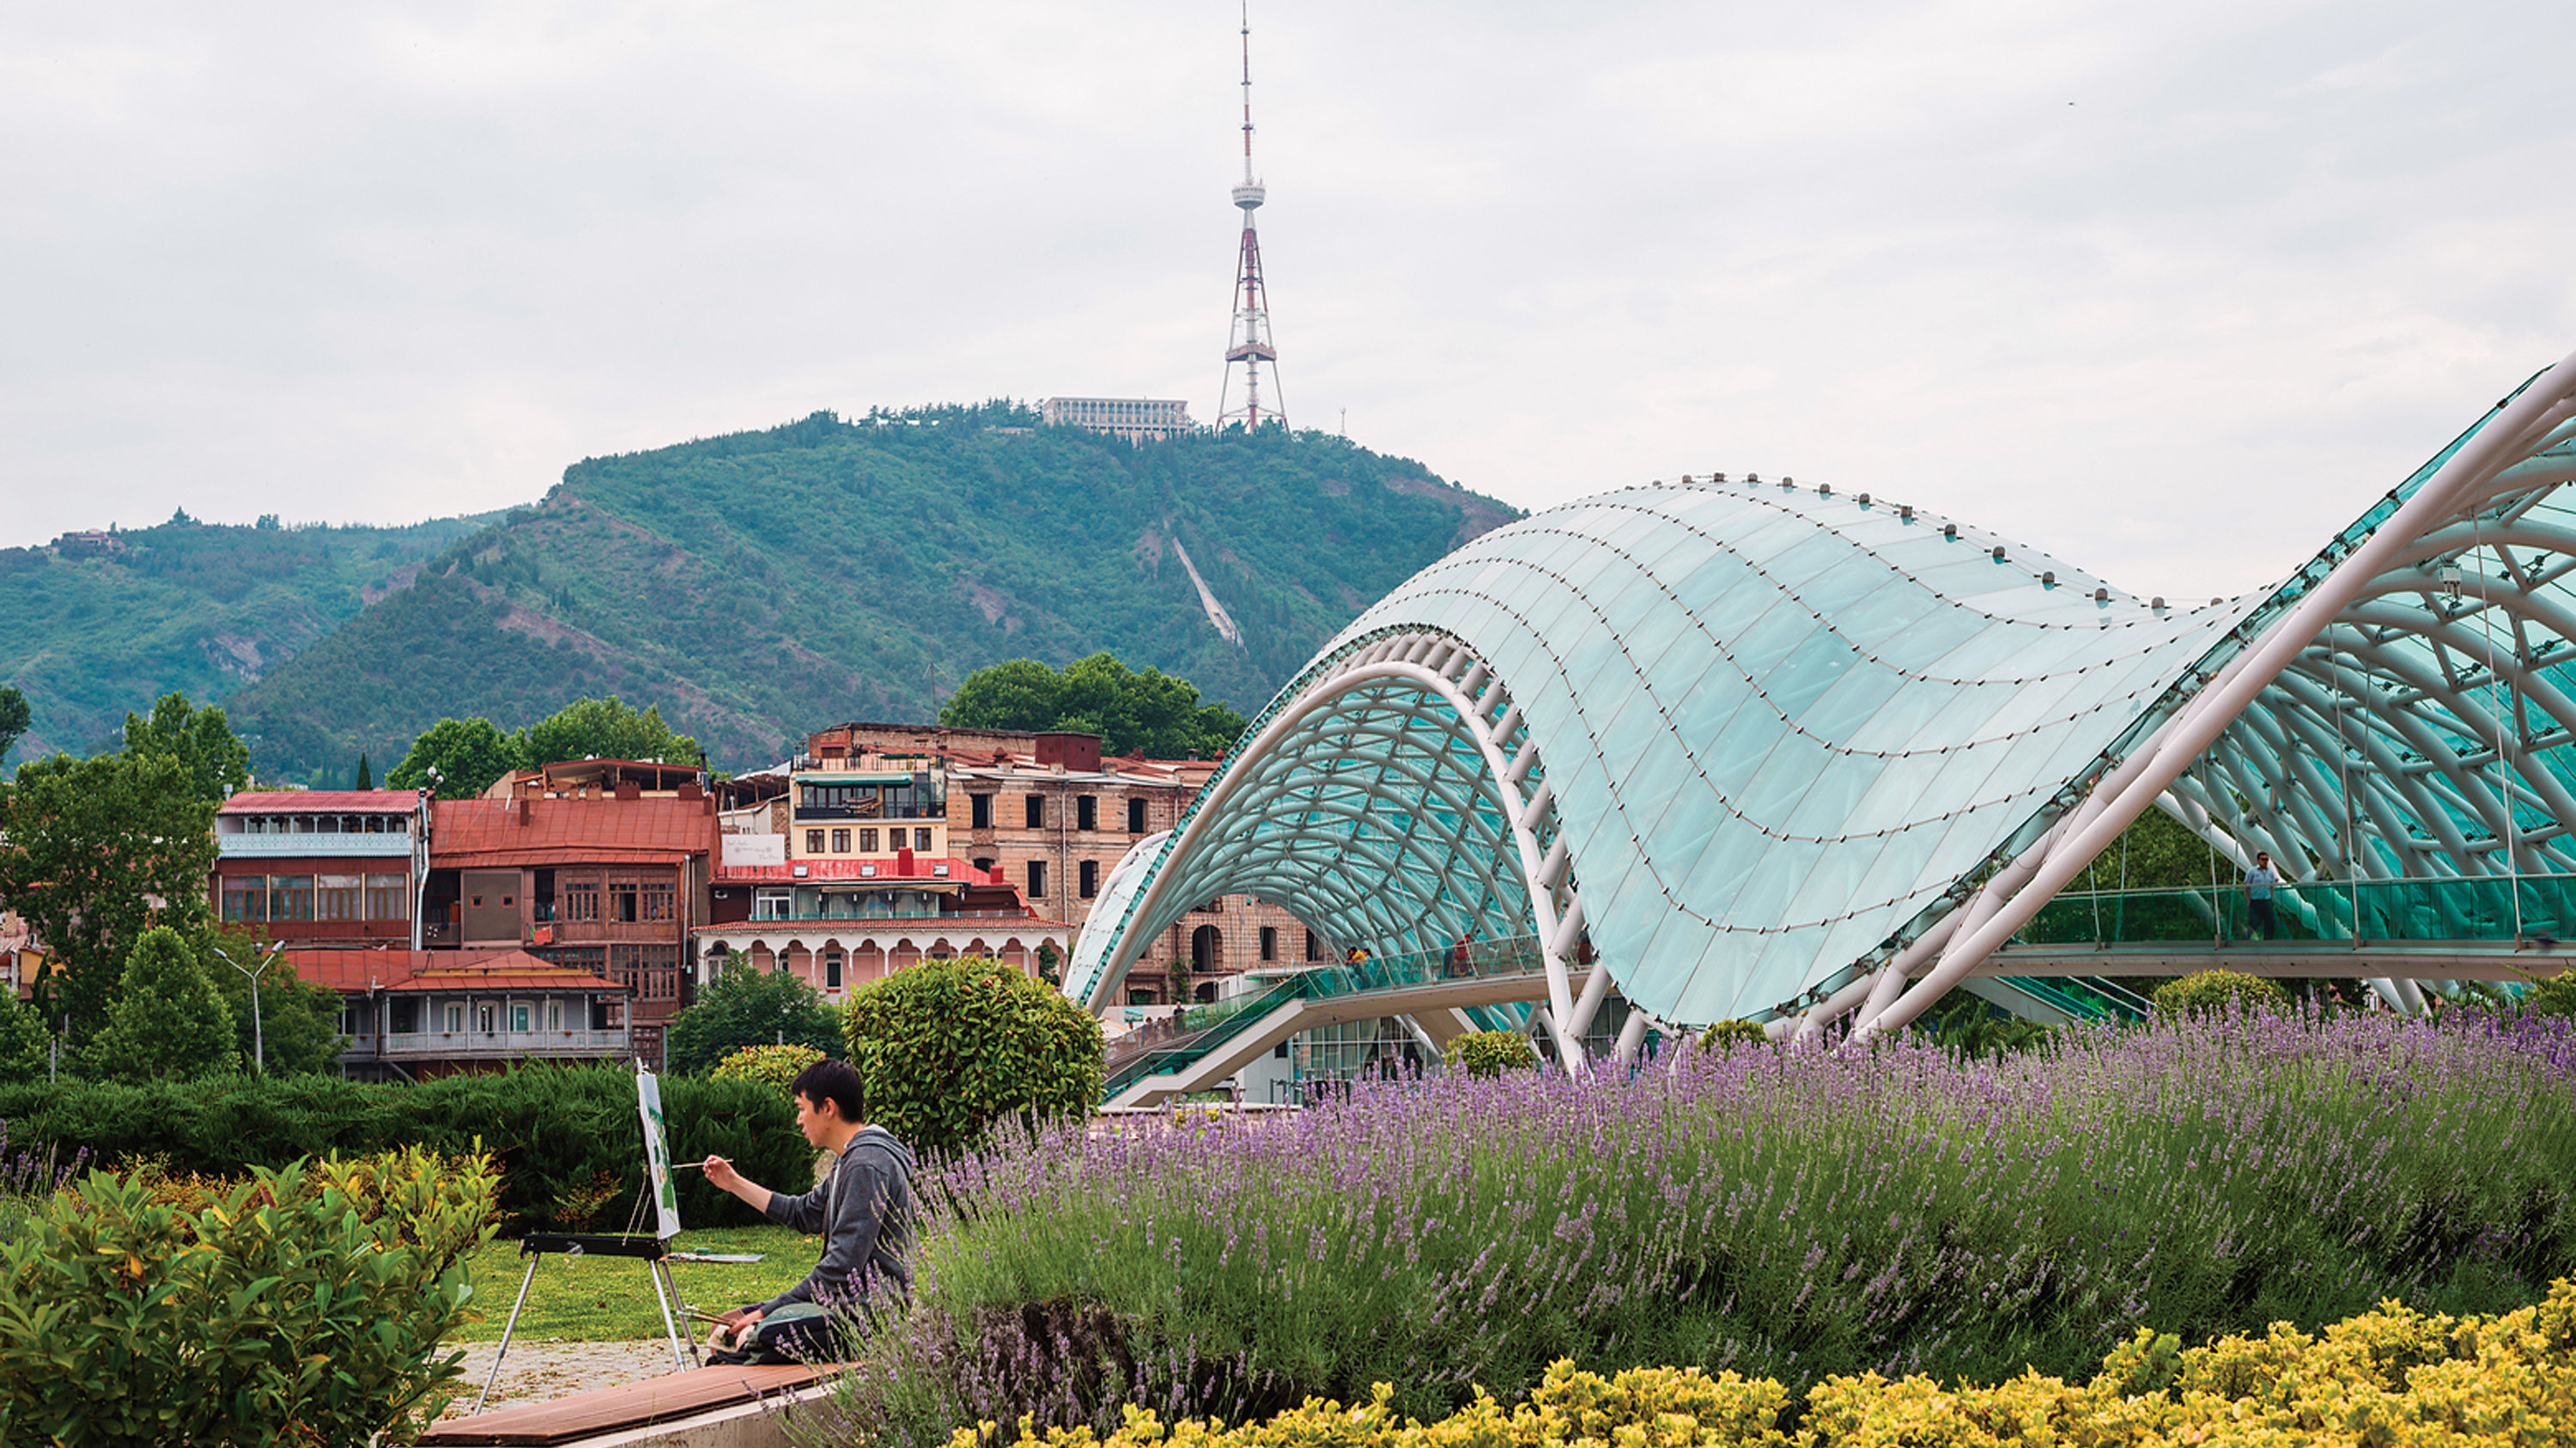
[(1248, 341)]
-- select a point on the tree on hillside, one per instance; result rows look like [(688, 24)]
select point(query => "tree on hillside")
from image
[(94, 852), (167, 1024), (1151, 713), (201, 740), (365, 777), (747, 1007), (604, 729), (14, 718), (466, 755)]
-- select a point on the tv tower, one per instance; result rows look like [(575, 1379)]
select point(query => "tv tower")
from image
[(1248, 341)]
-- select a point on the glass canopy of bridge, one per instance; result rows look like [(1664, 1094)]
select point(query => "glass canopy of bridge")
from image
[(1759, 746)]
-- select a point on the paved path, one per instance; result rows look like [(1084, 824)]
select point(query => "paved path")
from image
[(537, 1371)]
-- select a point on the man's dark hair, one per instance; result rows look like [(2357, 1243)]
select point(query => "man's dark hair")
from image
[(833, 1081)]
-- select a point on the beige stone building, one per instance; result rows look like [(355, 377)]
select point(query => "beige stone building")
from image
[(1054, 815)]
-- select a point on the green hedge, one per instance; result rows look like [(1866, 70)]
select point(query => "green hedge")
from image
[(567, 1138)]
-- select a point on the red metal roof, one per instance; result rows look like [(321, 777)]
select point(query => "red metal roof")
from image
[(470, 833), (355, 971), (322, 801)]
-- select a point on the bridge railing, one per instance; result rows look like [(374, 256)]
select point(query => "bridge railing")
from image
[(1202, 1029), (2373, 910)]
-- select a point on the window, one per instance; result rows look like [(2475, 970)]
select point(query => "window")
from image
[(338, 897), (625, 902), (1136, 815), (1037, 811), (1086, 811), (1269, 942), (1314, 947), (406, 1016), (245, 897), (455, 1017), (772, 905), (813, 842), (867, 842), (1090, 878), (984, 864), (661, 900), (388, 897), (522, 1017), (581, 900), (486, 1017), (981, 810), (840, 842), (921, 838), (1037, 879), (554, 1015), (831, 970), (290, 897)]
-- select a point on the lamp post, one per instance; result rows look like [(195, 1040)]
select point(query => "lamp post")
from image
[(258, 1035)]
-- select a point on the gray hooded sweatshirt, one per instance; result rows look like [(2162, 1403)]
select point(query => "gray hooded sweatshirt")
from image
[(863, 1209)]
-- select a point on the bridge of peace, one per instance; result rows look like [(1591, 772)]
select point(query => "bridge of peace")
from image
[(1748, 749)]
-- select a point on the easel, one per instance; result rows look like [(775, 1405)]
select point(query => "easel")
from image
[(654, 1249)]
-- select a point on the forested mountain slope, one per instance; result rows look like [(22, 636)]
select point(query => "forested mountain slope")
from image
[(763, 584), (92, 626)]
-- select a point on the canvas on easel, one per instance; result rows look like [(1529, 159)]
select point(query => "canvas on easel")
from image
[(654, 1249)]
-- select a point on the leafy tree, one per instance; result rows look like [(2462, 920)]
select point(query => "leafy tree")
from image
[(948, 1047), (366, 777), (14, 718), (466, 755), (215, 762), (24, 1041), (1491, 1053), (94, 852), (746, 1007), (167, 1022), (603, 729), (299, 1020), (1151, 713), (2219, 990)]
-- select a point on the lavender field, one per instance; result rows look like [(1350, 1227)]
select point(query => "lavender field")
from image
[(1791, 1213)]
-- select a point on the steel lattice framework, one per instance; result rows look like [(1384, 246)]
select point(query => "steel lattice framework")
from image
[(1779, 753)]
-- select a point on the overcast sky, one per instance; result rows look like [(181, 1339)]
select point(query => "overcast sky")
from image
[(2172, 289)]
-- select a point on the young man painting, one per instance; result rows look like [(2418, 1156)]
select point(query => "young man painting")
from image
[(862, 1208)]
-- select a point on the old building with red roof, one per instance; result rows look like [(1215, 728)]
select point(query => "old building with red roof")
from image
[(413, 1014), (326, 868)]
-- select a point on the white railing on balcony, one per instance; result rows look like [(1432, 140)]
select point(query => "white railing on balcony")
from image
[(336, 845), (490, 1043)]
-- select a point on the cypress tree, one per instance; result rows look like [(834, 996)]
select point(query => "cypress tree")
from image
[(366, 777)]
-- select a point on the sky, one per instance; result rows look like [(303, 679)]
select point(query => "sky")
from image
[(2171, 291)]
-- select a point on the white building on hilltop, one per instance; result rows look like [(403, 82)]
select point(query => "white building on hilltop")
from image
[(1136, 419)]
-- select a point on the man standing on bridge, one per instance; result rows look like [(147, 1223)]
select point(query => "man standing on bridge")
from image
[(2258, 895)]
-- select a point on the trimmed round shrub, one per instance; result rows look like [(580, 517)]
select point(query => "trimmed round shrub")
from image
[(769, 1065), (947, 1048), (1491, 1053), (1722, 1035), (2219, 990)]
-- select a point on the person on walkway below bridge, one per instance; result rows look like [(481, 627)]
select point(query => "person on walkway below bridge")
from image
[(2258, 896), (1462, 961)]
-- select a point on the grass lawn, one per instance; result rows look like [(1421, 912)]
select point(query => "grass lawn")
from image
[(601, 1299)]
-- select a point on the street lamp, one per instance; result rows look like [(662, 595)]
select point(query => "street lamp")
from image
[(258, 1036)]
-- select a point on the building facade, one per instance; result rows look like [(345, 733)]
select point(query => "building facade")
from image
[(416, 1014), (601, 865), (1137, 419), (1054, 815), (323, 868)]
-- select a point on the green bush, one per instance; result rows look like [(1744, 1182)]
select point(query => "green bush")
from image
[(2219, 990), (307, 1305), (566, 1138), (775, 1066), (1491, 1053), (746, 1007), (24, 1042), (948, 1047), (1722, 1034), (2555, 996)]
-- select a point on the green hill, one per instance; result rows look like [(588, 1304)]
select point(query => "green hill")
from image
[(763, 584), (94, 625)]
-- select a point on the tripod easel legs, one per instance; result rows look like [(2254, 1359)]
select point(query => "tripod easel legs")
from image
[(513, 1325)]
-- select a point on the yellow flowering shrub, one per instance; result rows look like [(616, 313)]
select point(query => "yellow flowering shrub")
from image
[(2394, 1378)]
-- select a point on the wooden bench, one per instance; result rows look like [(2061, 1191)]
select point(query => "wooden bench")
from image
[(711, 1396)]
